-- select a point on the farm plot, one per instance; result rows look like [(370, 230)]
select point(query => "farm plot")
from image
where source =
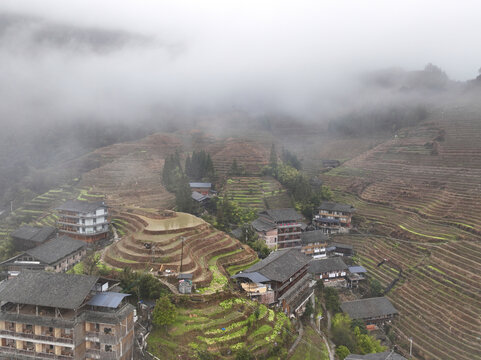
[(221, 327), (152, 242), (257, 193)]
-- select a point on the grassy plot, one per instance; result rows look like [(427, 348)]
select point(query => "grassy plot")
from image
[(311, 348), (220, 327), (218, 280)]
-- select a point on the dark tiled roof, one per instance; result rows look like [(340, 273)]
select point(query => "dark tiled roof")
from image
[(81, 206), (66, 291), (332, 206), (56, 249), (283, 214), (261, 225), (252, 276), (387, 355), (310, 237), (341, 246), (280, 265), (36, 234), (327, 265), (368, 308)]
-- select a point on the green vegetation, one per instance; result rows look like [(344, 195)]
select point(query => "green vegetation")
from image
[(424, 235), (312, 348), (218, 280), (164, 313)]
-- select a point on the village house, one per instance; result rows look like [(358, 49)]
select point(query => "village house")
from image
[(281, 278), (314, 243), (373, 311), (355, 274), (333, 218), (386, 355), (27, 237), (279, 228), (337, 249), (201, 188), (331, 270), (82, 220), (58, 255), (46, 315)]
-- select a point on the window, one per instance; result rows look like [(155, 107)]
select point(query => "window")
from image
[(107, 331), (108, 348)]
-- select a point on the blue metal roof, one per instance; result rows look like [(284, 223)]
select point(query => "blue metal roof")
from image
[(252, 276), (357, 269), (107, 299)]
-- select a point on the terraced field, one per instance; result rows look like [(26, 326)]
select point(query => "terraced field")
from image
[(257, 193), (40, 210), (421, 192), (151, 241), (251, 155), (221, 327), (130, 173)]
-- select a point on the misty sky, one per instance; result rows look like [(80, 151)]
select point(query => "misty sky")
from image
[(130, 59)]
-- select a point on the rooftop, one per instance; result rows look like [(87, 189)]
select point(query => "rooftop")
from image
[(341, 246), (200, 185), (66, 291), (368, 308), (286, 214), (332, 206), (56, 249), (107, 299), (387, 355), (310, 237), (280, 265), (327, 265), (36, 234), (81, 206), (262, 225)]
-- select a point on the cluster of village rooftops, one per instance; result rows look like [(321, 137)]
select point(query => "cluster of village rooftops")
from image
[(50, 314)]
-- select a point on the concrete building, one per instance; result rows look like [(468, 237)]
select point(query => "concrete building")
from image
[(59, 316), (87, 221), (58, 255), (280, 228)]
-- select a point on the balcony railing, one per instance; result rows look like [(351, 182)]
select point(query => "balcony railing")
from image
[(101, 354), (7, 350), (64, 340)]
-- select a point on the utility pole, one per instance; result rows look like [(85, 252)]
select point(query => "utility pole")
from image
[(181, 254), (411, 347), (11, 206)]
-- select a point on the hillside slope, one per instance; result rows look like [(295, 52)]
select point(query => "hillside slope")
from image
[(418, 200)]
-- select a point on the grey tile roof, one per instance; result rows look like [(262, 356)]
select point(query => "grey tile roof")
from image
[(341, 246), (310, 237), (283, 214), (262, 225), (280, 265), (56, 249), (66, 291), (81, 206), (332, 206), (36, 234), (387, 355), (200, 185), (368, 308), (327, 265)]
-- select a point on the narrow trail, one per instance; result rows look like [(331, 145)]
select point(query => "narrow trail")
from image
[(324, 338)]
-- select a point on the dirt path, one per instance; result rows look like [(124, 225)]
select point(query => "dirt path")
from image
[(324, 338)]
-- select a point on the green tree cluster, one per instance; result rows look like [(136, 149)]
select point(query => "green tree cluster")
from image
[(291, 159), (199, 166), (306, 197), (141, 285), (164, 313), (229, 213), (172, 172), (250, 237), (346, 333), (331, 299)]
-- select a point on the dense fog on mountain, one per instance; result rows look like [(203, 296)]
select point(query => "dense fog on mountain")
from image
[(75, 77)]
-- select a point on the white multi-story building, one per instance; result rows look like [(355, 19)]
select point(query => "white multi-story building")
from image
[(87, 221)]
